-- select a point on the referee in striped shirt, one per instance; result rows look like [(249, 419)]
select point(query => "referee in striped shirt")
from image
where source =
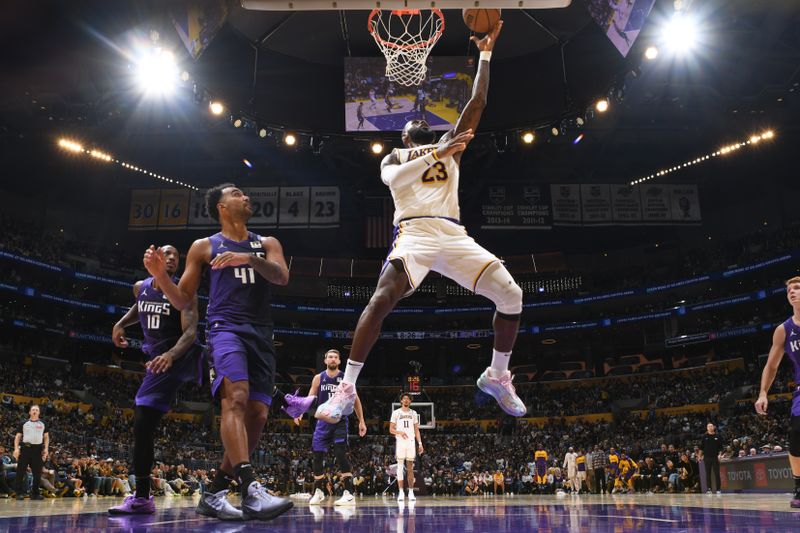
[(30, 448)]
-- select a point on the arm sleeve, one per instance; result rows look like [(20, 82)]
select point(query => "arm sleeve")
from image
[(409, 172)]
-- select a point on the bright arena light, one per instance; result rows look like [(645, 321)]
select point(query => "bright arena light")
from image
[(601, 106), (528, 137), (290, 139), (262, 133), (97, 154), (377, 148), (66, 144), (651, 53), (157, 72), (680, 33), (216, 107)]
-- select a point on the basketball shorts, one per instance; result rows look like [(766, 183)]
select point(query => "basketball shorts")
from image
[(325, 435), (159, 390), (582, 474), (442, 245), (406, 450), (242, 352)]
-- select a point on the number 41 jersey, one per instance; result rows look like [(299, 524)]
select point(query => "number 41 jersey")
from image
[(428, 192), (238, 295)]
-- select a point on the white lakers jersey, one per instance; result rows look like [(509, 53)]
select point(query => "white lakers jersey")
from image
[(422, 190), (404, 422)]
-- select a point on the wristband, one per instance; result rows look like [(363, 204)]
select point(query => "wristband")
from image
[(486, 55)]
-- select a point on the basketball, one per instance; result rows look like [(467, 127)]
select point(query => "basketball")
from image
[(481, 20)]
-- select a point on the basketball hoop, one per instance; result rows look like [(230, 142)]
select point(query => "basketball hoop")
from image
[(406, 38)]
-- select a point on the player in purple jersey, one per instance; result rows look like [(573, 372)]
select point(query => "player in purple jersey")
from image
[(243, 266), (173, 358), (325, 434), (786, 339)]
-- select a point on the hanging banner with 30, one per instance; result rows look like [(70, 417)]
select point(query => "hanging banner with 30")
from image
[(273, 207)]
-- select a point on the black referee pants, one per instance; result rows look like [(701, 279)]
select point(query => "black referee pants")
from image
[(712, 463), (29, 455), (599, 480)]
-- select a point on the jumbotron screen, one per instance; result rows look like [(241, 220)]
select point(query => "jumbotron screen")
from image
[(373, 103)]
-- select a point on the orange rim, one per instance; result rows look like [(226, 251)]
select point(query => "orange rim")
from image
[(371, 27)]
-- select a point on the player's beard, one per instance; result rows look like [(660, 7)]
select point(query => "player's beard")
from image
[(420, 136)]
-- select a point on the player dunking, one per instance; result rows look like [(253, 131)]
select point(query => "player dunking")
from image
[(239, 336), (174, 357), (423, 179), (327, 435), (404, 425), (786, 339)]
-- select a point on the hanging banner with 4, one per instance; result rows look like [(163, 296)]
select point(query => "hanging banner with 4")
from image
[(273, 207)]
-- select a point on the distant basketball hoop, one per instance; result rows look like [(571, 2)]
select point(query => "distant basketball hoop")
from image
[(406, 38)]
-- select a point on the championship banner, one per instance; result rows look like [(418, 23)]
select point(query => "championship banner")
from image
[(626, 204), (566, 204), (596, 204), (144, 209), (516, 206), (198, 22), (656, 204)]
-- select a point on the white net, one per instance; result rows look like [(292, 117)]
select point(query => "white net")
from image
[(406, 37)]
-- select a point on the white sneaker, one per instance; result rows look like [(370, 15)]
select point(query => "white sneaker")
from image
[(401, 496), (411, 496), (346, 499), (502, 389), (317, 498), (259, 504), (216, 505)]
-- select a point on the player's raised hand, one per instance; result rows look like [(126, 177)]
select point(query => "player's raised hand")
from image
[(155, 262), (455, 144), (486, 44), (761, 404), (118, 337), (297, 420)]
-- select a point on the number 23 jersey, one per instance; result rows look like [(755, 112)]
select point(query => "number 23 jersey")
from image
[(238, 295), (428, 192)]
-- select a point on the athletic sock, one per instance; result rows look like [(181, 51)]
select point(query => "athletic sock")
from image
[(244, 472), (142, 486), (351, 371), (220, 482), (500, 362), (348, 484)]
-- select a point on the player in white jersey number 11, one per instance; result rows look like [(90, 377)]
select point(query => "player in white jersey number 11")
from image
[(423, 179)]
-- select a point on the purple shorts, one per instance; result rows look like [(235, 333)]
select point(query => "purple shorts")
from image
[(242, 352), (796, 402), (326, 435), (159, 390)]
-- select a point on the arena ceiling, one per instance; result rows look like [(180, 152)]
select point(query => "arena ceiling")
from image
[(65, 67)]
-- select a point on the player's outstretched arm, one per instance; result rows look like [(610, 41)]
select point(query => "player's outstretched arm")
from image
[(771, 368), (471, 115)]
